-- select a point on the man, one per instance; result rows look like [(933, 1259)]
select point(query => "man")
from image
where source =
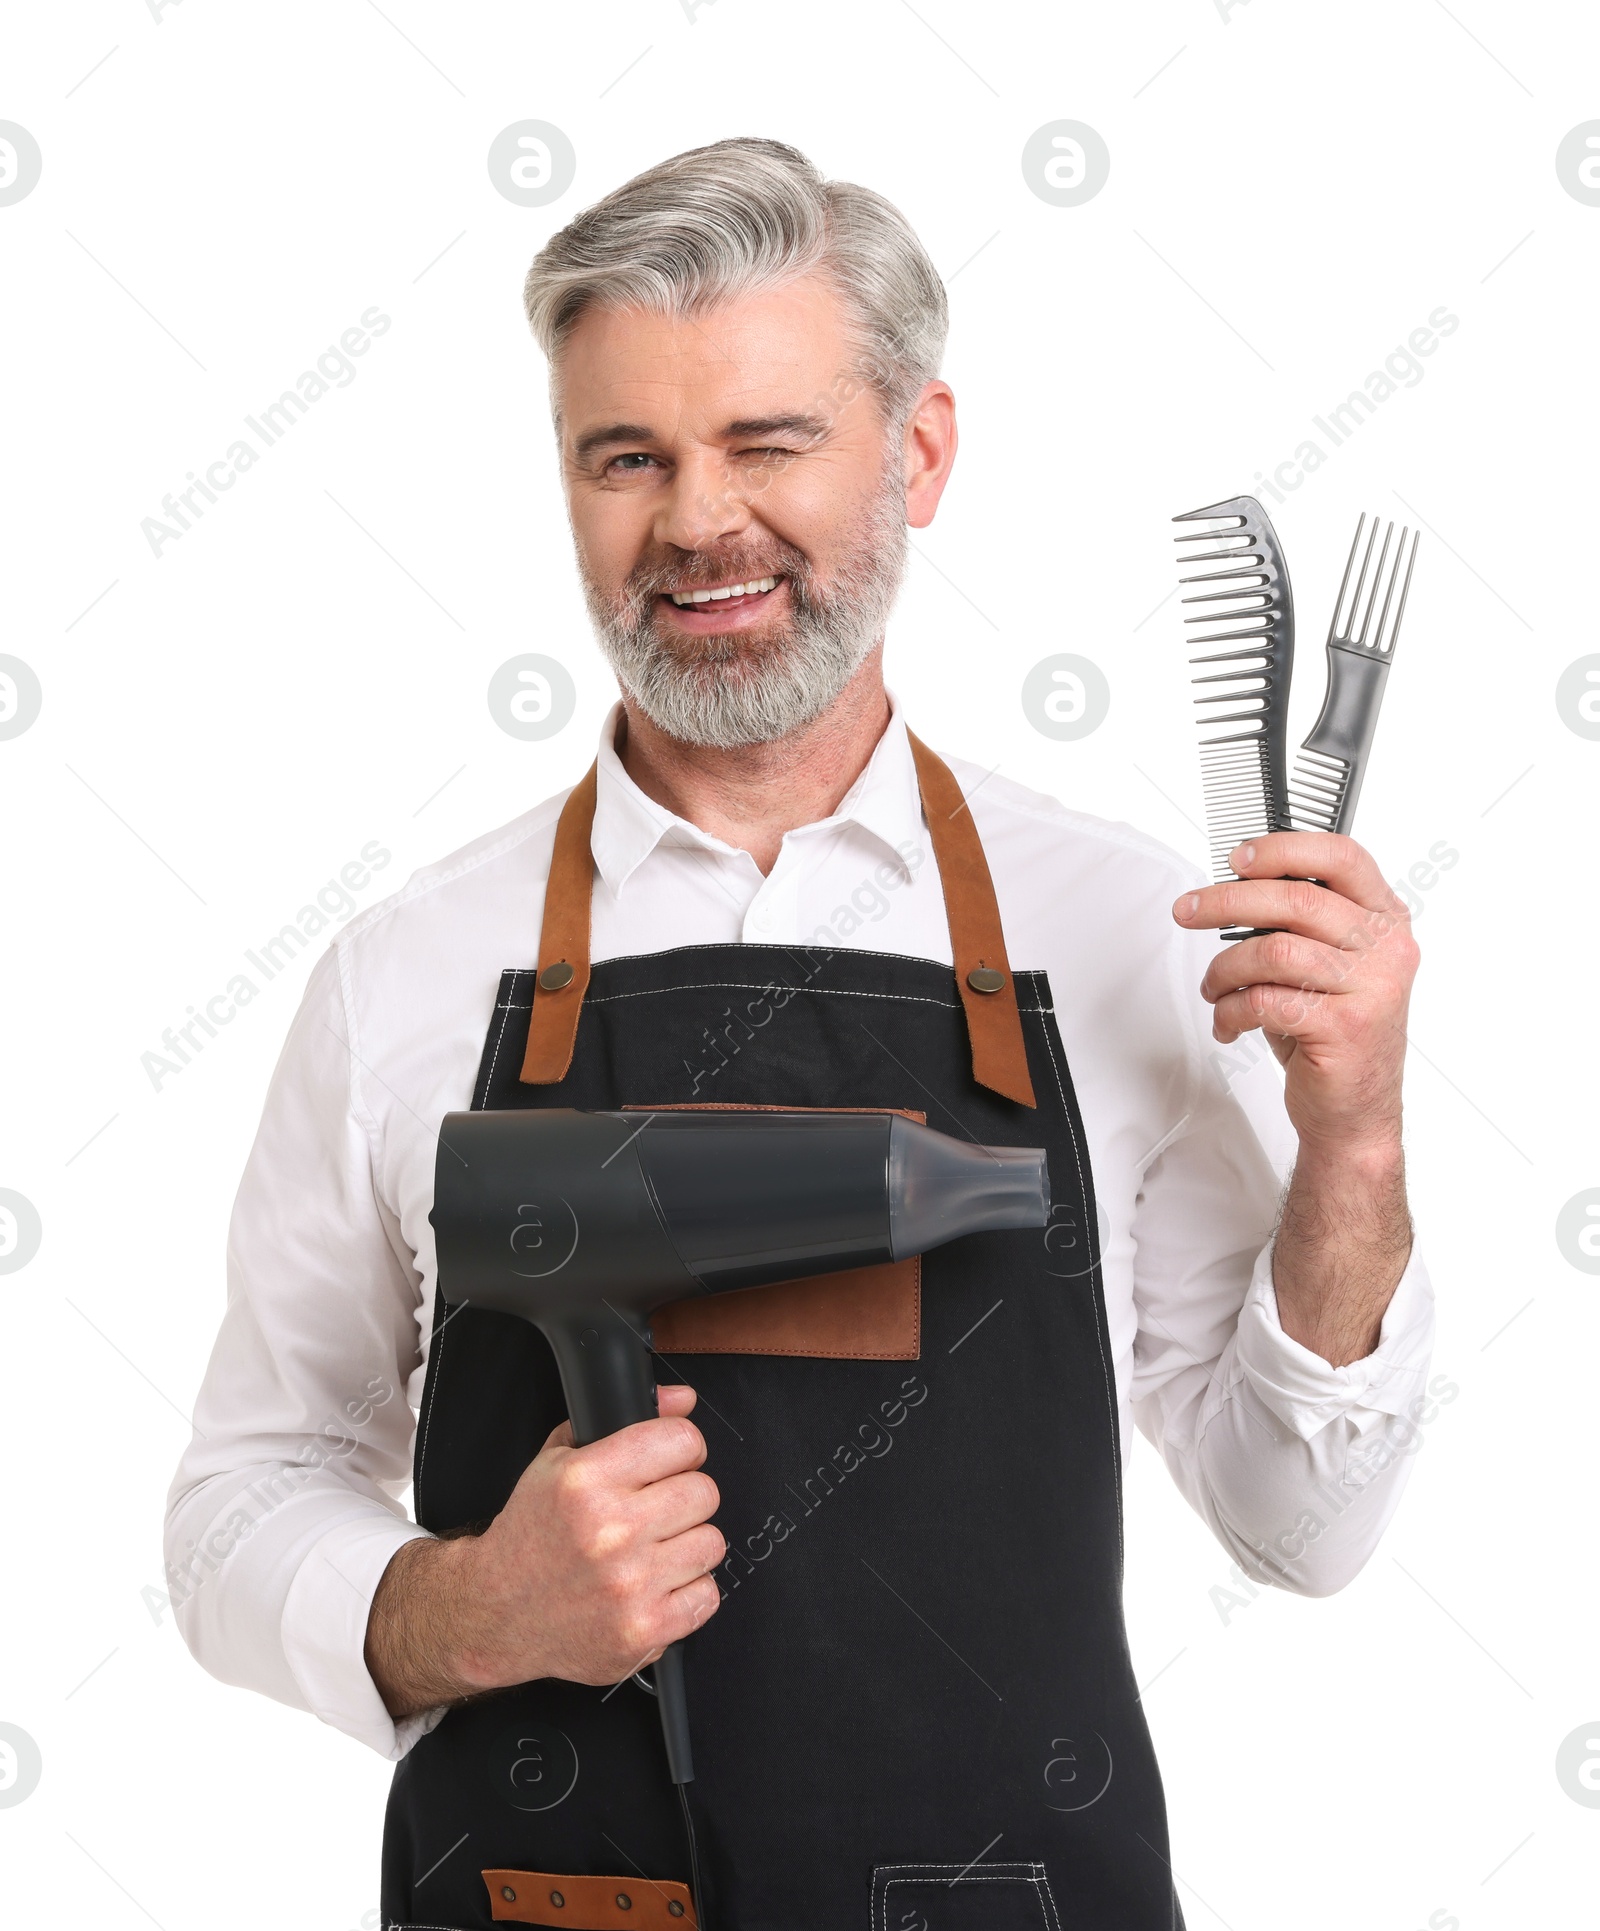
[(910, 1689)]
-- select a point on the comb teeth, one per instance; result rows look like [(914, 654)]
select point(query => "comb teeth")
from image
[(1374, 625), (1234, 779), (1317, 790), (1242, 709)]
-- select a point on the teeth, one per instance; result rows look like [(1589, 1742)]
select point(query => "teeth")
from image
[(750, 589)]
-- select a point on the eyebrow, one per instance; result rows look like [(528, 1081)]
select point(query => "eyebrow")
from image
[(615, 433), (786, 425)]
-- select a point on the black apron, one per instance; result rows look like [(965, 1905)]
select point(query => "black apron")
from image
[(914, 1708)]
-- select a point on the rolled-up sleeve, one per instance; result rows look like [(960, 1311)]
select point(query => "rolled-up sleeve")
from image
[(1296, 1465), (284, 1511)]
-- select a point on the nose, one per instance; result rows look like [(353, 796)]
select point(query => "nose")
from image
[(704, 505)]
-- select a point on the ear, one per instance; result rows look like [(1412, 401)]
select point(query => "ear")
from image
[(930, 452)]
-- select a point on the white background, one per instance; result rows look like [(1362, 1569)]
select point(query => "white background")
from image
[(1291, 194)]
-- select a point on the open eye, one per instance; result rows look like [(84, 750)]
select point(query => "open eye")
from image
[(632, 464)]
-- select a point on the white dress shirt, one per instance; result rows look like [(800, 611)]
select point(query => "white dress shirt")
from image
[(287, 1507)]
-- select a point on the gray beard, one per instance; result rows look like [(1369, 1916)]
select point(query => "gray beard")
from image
[(724, 692)]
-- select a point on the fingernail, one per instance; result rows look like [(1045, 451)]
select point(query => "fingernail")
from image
[(1189, 905), (1245, 855)]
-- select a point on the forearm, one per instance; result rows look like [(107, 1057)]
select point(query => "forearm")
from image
[(1342, 1244), (418, 1631)]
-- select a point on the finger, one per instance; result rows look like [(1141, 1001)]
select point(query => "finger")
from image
[(646, 1452), (1327, 855), (673, 1398), (695, 1553), (1274, 1009), (1237, 1013), (679, 1503), (1278, 959), (692, 1606), (1287, 904), (681, 1613)]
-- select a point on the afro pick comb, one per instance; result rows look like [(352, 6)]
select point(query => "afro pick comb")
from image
[(1361, 641)]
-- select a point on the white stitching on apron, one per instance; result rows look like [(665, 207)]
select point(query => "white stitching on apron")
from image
[(1105, 1370)]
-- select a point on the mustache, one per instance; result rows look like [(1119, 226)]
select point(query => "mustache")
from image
[(701, 570)]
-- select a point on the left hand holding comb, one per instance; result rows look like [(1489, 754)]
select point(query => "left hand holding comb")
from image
[(1328, 981), (1329, 986)]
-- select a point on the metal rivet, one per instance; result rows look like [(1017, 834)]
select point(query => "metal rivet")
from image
[(984, 979), (624, 1902), (557, 977), (508, 1894), (557, 1898), (674, 1908)]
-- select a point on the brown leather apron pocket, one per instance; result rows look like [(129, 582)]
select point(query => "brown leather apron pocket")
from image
[(858, 1314), (956, 1897)]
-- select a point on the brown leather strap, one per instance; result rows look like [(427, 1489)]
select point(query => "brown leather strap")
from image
[(977, 943), (589, 1903), (563, 942)]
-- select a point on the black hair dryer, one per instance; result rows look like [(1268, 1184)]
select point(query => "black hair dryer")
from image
[(582, 1223)]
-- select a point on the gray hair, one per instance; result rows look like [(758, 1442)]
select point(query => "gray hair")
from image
[(721, 221)]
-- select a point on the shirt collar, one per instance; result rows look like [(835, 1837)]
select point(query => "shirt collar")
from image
[(628, 826)]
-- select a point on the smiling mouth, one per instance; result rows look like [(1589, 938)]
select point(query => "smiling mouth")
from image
[(740, 595)]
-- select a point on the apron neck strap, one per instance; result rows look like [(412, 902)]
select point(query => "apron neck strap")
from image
[(563, 976), (977, 943)]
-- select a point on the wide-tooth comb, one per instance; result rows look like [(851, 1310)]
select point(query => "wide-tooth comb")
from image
[(1332, 761), (1244, 770)]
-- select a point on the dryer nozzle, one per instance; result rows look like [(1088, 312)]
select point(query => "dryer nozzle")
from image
[(941, 1189)]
